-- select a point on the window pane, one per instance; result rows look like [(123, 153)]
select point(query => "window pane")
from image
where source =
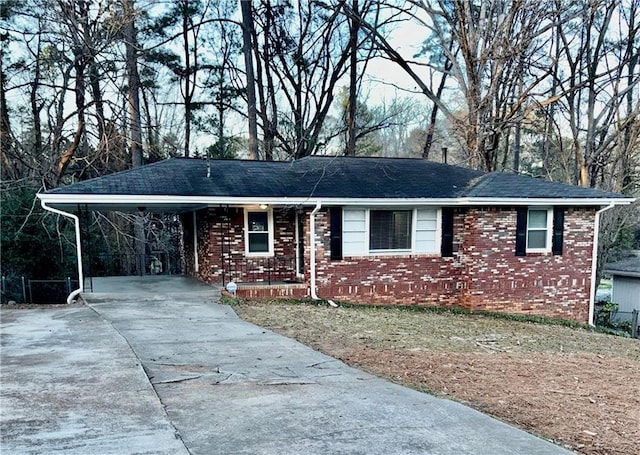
[(258, 242), (390, 230), (537, 239), (258, 221), (537, 219)]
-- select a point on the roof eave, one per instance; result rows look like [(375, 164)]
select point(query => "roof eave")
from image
[(624, 273), (135, 201)]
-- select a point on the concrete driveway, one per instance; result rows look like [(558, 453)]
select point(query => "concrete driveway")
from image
[(74, 382)]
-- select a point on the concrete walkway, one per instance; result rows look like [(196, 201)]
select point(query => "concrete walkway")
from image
[(225, 387)]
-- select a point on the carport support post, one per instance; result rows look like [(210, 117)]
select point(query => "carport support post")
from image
[(140, 249), (24, 290)]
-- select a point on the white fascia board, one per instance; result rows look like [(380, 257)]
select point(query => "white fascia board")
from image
[(546, 201), (474, 201), (150, 200)]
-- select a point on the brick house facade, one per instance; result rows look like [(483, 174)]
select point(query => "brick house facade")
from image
[(384, 231), (483, 274)]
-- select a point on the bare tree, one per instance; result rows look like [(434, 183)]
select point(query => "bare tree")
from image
[(599, 93), (247, 34), (133, 82)]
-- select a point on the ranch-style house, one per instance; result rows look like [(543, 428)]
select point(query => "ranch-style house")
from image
[(370, 230)]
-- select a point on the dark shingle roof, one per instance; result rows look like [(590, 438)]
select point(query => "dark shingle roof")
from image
[(625, 267), (324, 177)]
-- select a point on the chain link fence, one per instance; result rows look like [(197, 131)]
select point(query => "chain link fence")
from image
[(21, 289)]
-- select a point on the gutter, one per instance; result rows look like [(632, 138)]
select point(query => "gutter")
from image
[(594, 261), (75, 293), (104, 201)]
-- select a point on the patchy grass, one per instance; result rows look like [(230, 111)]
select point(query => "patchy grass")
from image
[(571, 384)]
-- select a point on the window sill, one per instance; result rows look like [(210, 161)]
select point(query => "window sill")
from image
[(399, 254), (540, 252), (389, 252), (258, 255)]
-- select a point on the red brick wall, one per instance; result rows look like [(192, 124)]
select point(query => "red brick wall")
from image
[(221, 247), (538, 283), (426, 279), (484, 273)]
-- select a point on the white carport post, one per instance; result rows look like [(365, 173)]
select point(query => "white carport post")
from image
[(196, 265), (76, 220)]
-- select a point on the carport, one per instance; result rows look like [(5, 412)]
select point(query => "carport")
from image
[(191, 190), (75, 205)]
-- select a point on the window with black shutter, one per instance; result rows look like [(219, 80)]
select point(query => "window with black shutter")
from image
[(539, 230)]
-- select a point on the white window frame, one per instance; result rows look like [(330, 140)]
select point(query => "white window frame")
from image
[(391, 251), (367, 251), (549, 230), (270, 232)]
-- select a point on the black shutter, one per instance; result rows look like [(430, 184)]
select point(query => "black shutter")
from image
[(446, 248), (335, 214), (558, 231), (521, 231)]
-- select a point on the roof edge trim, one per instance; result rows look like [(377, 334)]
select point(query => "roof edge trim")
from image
[(75, 198)]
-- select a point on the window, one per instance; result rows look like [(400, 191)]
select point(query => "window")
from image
[(539, 230), (384, 231), (258, 233), (389, 230)]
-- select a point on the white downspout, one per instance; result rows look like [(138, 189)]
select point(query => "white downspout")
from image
[(312, 251), (594, 261), (73, 295)]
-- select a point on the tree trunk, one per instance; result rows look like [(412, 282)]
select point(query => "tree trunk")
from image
[(96, 94), (434, 110), (7, 168), (352, 129), (247, 27), (135, 131), (79, 91), (188, 91), (133, 82), (35, 107)]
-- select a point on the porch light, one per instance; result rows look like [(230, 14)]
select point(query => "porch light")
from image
[(264, 206), (232, 288)]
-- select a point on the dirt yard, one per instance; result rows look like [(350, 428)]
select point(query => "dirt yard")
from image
[(576, 387)]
